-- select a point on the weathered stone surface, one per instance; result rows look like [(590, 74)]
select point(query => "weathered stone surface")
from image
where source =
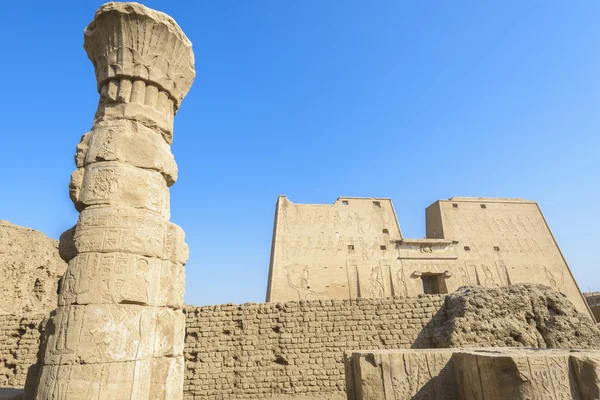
[(514, 316), (129, 142), (66, 245), (263, 351), (116, 184), (399, 375), (157, 52), (113, 333), (30, 268), (20, 337), (587, 371), (120, 380), (355, 248), (518, 375), (112, 278), (123, 229), (119, 329), (472, 374)]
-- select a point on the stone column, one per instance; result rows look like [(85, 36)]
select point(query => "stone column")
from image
[(118, 331)]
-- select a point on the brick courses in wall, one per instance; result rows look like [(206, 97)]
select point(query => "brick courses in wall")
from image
[(19, 343), (296, 348), (263, 350)]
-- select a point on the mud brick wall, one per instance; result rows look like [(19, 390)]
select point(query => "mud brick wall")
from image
[(19, 342), (259, 350)]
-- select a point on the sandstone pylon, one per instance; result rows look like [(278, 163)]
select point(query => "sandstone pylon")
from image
[(118, 331)]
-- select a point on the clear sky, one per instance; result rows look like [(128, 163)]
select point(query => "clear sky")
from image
[(413, 100)]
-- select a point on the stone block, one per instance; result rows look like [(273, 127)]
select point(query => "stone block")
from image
[(113, 278), (103, 333), (117, 184), (399, 375), (124, 229), (128, 142), (155, 378), (587, 371), (473, 374)]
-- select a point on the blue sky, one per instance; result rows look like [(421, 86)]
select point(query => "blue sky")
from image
[(416, 101)]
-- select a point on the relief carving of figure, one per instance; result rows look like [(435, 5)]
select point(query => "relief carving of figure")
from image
[(105, 183), (521, 224), (284, 249), (330, 247), (341, 245), (359, 223), (375, 246), (556, 283), (318, 219), (485, 223), (489, 276), (309, 245), (298, 246), (401, 283), (297, 216), (511, 224), (465, 277), (301, 283), (537, 248), (349, 221), (107, 150), (307, 220), (363, 248), (325, 220), (373, 223), (319, 246), (336, 219), (473, 223), (284, 219), (376, 287), (154, 192), (531, 224)]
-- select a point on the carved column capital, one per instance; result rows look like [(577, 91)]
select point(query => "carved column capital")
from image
[(127, 41)]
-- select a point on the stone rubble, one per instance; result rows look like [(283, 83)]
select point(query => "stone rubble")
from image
[(527, 315), (30, 268)]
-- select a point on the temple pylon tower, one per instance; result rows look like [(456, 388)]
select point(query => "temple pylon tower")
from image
[(118, 331)]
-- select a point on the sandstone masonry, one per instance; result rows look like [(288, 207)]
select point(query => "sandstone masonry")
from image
[(272, 350), (473, 374), (355, 248), (119, 329)]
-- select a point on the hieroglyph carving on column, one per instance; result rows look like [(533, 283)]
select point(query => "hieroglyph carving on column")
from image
[(118, 331)]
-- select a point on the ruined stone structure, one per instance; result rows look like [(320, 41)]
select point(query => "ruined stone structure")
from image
[(119, 329), (355, 248), (473, 374), (264, 351), (347, 278), (337, 251), (19, 350), (30, 268), (528, 315)]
